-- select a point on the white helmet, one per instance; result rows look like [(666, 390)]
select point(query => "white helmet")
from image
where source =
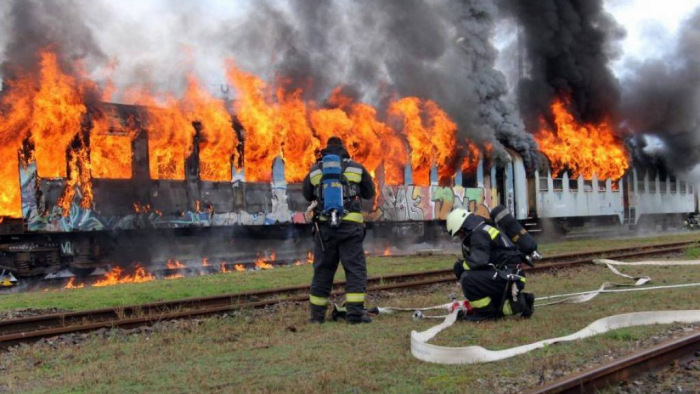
[(456, 219)]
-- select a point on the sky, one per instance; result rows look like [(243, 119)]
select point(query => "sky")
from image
[(651, 26)]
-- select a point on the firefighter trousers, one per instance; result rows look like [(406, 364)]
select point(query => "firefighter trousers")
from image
[(490, 294), (341, 244)]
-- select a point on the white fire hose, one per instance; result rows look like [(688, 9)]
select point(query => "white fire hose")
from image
[(422, 350)]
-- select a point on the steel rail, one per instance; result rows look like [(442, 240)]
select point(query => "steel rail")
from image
[(600, 377), (41, 326)]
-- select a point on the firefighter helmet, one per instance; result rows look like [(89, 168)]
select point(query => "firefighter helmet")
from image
[(456, 219)]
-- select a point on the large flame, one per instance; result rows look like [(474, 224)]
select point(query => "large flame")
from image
[(433, 141), (281, 124), (263, 131), (218, 141), (110, 147), (370, 141), (15, 119), (48, 108), (170, 134), (71, 140), (585, 149), (58, 114)]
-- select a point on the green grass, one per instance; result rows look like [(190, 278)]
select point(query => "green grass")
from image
[(276, 350), (692, 253)]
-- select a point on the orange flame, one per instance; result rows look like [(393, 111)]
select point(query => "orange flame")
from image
[(115, 276), (48, 108), (223, 267), (78, 178), (205, 262), (58, 113), (369, 140), (15, 123), (263, 131), (174, 264), (70, 284), (110, 148), (218, 141), (432, 142), (260, 263), (281, 124), (170, 135), (239, 267), (387, 252), (309, 257), (175, 276), (585, 149), (141, 208)]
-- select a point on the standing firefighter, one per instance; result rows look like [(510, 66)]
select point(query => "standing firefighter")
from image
[(490, 271), (337, 183)]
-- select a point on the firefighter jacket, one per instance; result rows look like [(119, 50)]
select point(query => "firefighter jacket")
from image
[(485, 244), (358, 184)]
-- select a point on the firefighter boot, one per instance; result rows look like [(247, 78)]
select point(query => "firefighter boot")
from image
[(318, 314), (357, 313), (339, 312)]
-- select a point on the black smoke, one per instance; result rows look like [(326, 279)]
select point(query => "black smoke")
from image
[(569, 45), (34, 25), (439, 50), (662, 99)]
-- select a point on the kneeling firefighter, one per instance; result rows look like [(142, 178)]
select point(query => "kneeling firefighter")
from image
[(337, 183), (490, 271)]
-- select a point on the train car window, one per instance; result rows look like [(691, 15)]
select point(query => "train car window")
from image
[(640, 186), (683, 186), (652, 186), (662, 187), (469, 178), (601, 186), (573, 185), (587, 186), (615, 185), (672, 185), (558, 184), (543, 184)]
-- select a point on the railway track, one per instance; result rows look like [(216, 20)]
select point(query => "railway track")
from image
[(600, 377), (13, 331)]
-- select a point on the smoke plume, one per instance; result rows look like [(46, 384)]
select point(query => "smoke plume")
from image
[(662, 99), (438, 50), (569, 45), (33, 25)]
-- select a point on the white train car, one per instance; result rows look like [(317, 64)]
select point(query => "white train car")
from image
[(631, 200)]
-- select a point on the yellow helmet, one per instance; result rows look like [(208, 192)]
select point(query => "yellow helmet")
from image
[(456, 219)]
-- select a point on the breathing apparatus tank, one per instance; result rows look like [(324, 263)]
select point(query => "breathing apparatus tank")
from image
[(517, 233), (332, 189)]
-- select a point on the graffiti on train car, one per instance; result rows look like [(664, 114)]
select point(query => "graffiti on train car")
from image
[(395, 203)]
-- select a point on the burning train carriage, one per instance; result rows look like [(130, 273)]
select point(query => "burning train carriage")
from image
[(131, 179), (127, 205), (135, 209)]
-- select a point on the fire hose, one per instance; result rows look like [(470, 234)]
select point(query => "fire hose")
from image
[(422, 350)]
